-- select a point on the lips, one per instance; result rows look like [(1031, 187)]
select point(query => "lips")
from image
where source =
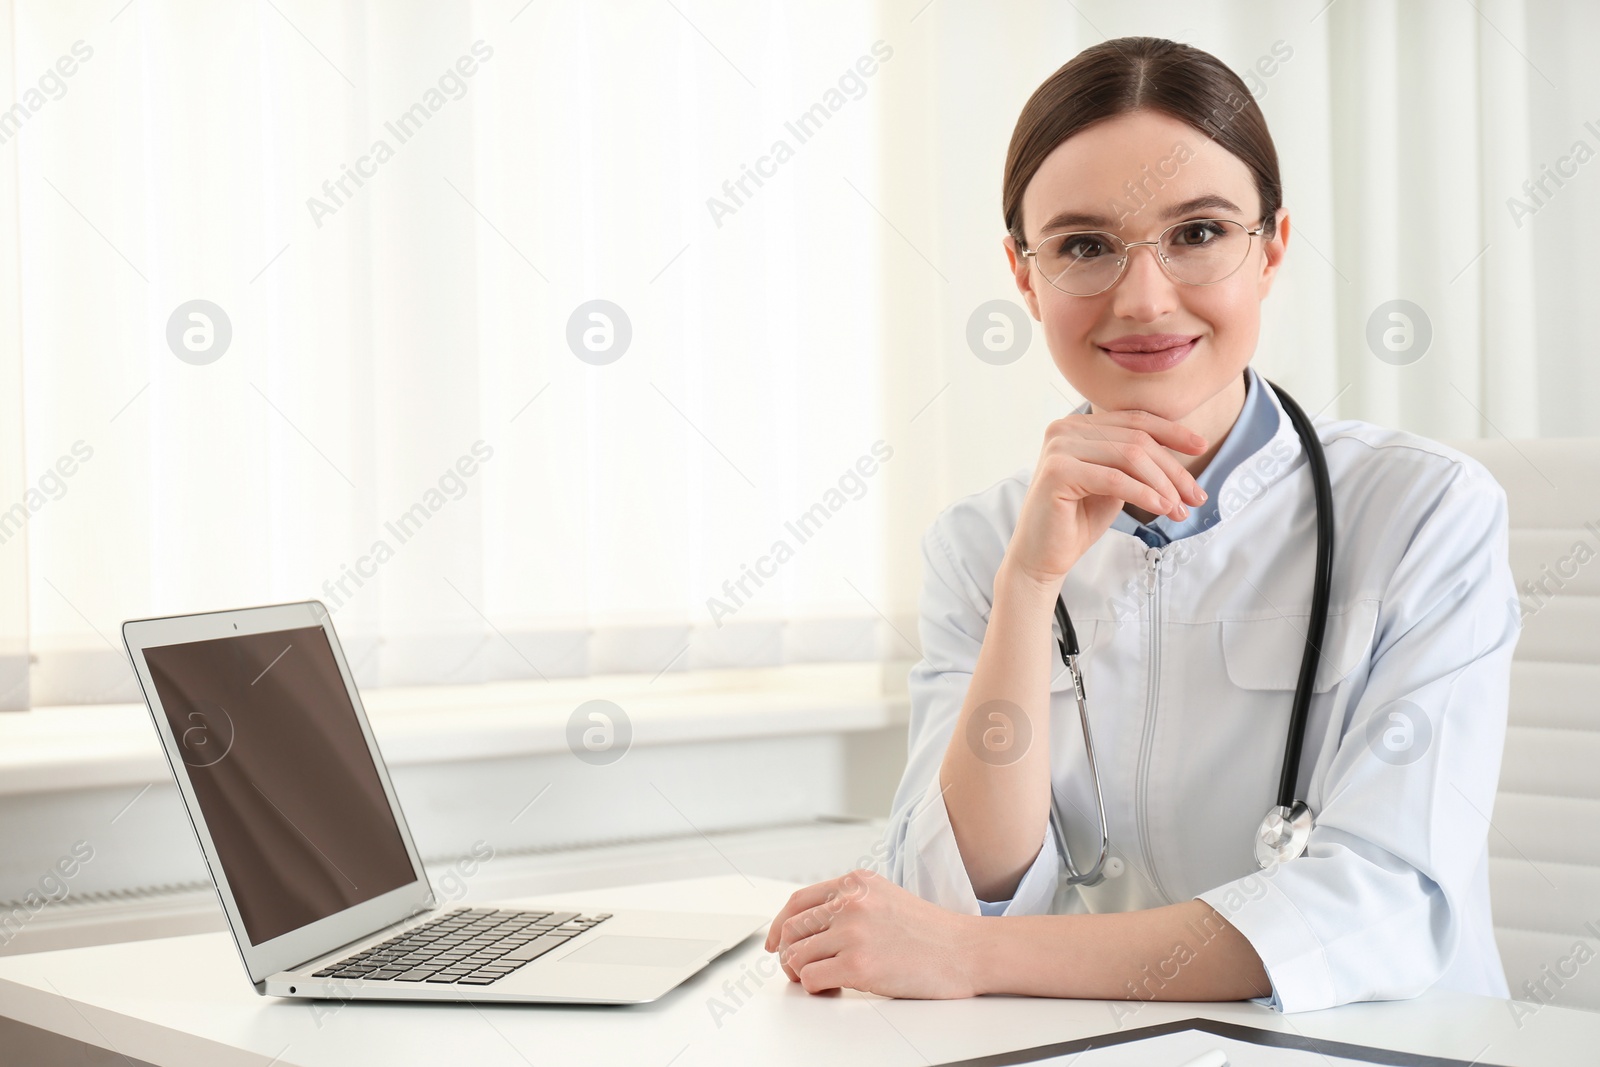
[(1148, 353), (1148, 342)]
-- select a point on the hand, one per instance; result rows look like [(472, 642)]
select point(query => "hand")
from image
[(862, 931), (1089, 467)]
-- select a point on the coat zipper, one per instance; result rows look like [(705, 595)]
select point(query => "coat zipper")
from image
[(1152, 556)]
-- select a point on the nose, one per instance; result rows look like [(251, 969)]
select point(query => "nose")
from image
[(1145, 292)]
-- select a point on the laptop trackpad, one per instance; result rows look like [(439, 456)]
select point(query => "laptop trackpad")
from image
[(641, 951)]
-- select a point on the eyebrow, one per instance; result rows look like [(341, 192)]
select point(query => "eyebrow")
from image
[(1209, 202)]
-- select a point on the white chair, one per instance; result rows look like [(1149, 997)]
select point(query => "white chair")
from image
[(1544, 839)]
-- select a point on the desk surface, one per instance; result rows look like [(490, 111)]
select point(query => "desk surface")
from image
[(186, 1000)]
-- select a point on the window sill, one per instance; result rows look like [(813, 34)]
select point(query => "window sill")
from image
[(48, 749)]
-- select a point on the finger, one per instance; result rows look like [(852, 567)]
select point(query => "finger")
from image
[(825, 974), (818, 947), (793, 941), (1172, 434), (801, 900), (805, 925), (1176, 472), (1193, 495), (1099, 480), (1134, 457)]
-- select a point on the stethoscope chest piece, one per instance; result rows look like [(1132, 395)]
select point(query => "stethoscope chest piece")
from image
[(1283, 834)]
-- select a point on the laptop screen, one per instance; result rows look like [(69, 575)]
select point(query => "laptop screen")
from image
[(285, 781)]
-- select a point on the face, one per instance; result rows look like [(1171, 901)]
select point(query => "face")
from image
[(1169, 162)]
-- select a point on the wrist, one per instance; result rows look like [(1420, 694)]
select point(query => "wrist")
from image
[(1015, 586), (981, 941)]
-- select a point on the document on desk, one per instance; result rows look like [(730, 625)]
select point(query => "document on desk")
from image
[(1207, 1043)]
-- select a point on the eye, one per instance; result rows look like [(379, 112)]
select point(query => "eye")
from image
[(1083, 246), (1200, 232)]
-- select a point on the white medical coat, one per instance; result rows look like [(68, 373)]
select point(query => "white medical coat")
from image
[(1190, 655)]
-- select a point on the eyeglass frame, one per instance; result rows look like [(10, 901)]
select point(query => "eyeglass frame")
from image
[(1129, 246)]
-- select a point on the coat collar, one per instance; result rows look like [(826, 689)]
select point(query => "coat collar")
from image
[(1255, 473)]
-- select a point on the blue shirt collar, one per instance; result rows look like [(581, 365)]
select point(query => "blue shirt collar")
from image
[(1257, 424)]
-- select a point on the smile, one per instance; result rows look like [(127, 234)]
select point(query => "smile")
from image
[(1148, 361)]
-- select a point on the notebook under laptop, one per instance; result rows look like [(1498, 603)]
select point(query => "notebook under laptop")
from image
[(323, 890)]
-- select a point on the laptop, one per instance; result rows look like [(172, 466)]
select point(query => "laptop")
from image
[(320, 882)]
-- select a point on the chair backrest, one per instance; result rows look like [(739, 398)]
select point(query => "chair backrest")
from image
[(1544, 839)]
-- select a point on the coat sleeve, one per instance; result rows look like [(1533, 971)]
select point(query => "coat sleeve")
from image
[(1375, 908), (921, 853)]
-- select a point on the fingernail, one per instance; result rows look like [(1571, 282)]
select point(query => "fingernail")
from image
[(1204, 496)]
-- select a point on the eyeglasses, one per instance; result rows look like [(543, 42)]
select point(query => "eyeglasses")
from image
[(1195, 252)]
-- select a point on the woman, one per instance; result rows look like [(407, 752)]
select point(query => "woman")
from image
[(1174, 514)]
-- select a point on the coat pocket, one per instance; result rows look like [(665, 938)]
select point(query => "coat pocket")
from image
[(1266, 653)]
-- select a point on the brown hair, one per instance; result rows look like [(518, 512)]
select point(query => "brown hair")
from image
[(1133, 74)]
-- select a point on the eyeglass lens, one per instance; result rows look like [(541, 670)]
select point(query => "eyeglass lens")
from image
[(1200, 251)]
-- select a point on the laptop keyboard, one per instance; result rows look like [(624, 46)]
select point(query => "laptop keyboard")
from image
[(470, 946)]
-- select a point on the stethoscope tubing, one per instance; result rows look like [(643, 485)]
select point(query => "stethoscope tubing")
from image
[(1310, 660), (1321, 592)]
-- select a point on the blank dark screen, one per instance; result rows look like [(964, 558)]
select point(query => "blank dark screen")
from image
[(283, 775)]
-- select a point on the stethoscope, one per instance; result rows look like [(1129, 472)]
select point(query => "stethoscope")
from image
[(1287, 826)]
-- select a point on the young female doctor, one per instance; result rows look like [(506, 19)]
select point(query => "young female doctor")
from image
[(1173, 523)]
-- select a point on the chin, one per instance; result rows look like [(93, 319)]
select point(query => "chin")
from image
[(1174, 393), (1164, 394)]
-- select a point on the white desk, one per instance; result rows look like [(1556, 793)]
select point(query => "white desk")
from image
[(186, 1001)]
